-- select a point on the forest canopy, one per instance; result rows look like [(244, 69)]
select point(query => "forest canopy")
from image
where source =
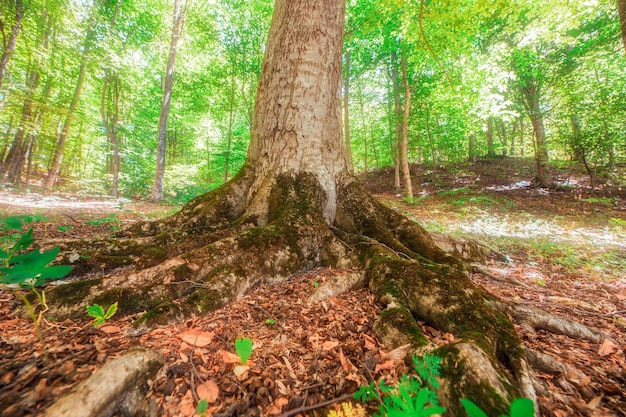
[(82, 86)]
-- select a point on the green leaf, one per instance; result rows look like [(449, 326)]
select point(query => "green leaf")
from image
[(243, 347), (522, 407), (110, 311), (24, 242), (95, 311), (64, 228), (14, 222), (472, 409), (202, 406)]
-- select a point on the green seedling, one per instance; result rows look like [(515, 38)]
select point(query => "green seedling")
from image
[(202, 407), (27, 269), (243, 347), (271, 322), (521, 407), (412, 397), (316, 284), (100, 316)]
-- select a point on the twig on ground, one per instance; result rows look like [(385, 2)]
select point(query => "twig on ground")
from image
[(304, 409)]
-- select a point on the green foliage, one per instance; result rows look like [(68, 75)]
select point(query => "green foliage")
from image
[(413, 396), (202, 407), (243, 347), (521, 407), (18, 266), (100, 316), (270, 322), (111, 218)]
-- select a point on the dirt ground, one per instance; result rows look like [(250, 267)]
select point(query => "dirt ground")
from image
[(566, 249)]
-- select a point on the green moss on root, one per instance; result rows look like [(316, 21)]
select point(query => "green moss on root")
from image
[(396, 326)]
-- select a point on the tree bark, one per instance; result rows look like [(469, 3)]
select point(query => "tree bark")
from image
[(177, 27), (346, 112)]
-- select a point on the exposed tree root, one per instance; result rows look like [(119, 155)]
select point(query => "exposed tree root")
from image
[(539, 319), (220, 246)]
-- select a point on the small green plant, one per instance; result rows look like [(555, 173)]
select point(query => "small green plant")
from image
[(64, 228), (412, 397), (100, 316), (270, 322), (110, 219), (316, 284), (521, 407), (202, 407), (243, 347), (27, 269)]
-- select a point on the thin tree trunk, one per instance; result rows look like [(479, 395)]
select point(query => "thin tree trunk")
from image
[(472, 147), (11, 168), (541, 148), (346, 111), (430, 135), (503, 138), (109, 112), (5, 147), (621, 10), (489, 138), (231, 121), (521, 135), (177, 27), (62, 138), (9, 46), (406, 172), (397, 105)]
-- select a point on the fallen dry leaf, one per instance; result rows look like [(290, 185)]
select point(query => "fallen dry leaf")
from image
[(208, 391), (345, 362), (607, 348), (330, 345), (241, 371), (595, 403), (110, 329), (228, 357), (196, 337), (398, 354), (370, 342), (385, 366)]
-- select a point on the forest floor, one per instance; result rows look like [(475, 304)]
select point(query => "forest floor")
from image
[(566, 246)]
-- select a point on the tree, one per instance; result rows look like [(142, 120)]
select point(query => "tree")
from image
[(295, 205), (177, 27), (621, 9)]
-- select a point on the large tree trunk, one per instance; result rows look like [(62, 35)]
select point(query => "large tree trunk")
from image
[(293, 206), (159, 174)]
